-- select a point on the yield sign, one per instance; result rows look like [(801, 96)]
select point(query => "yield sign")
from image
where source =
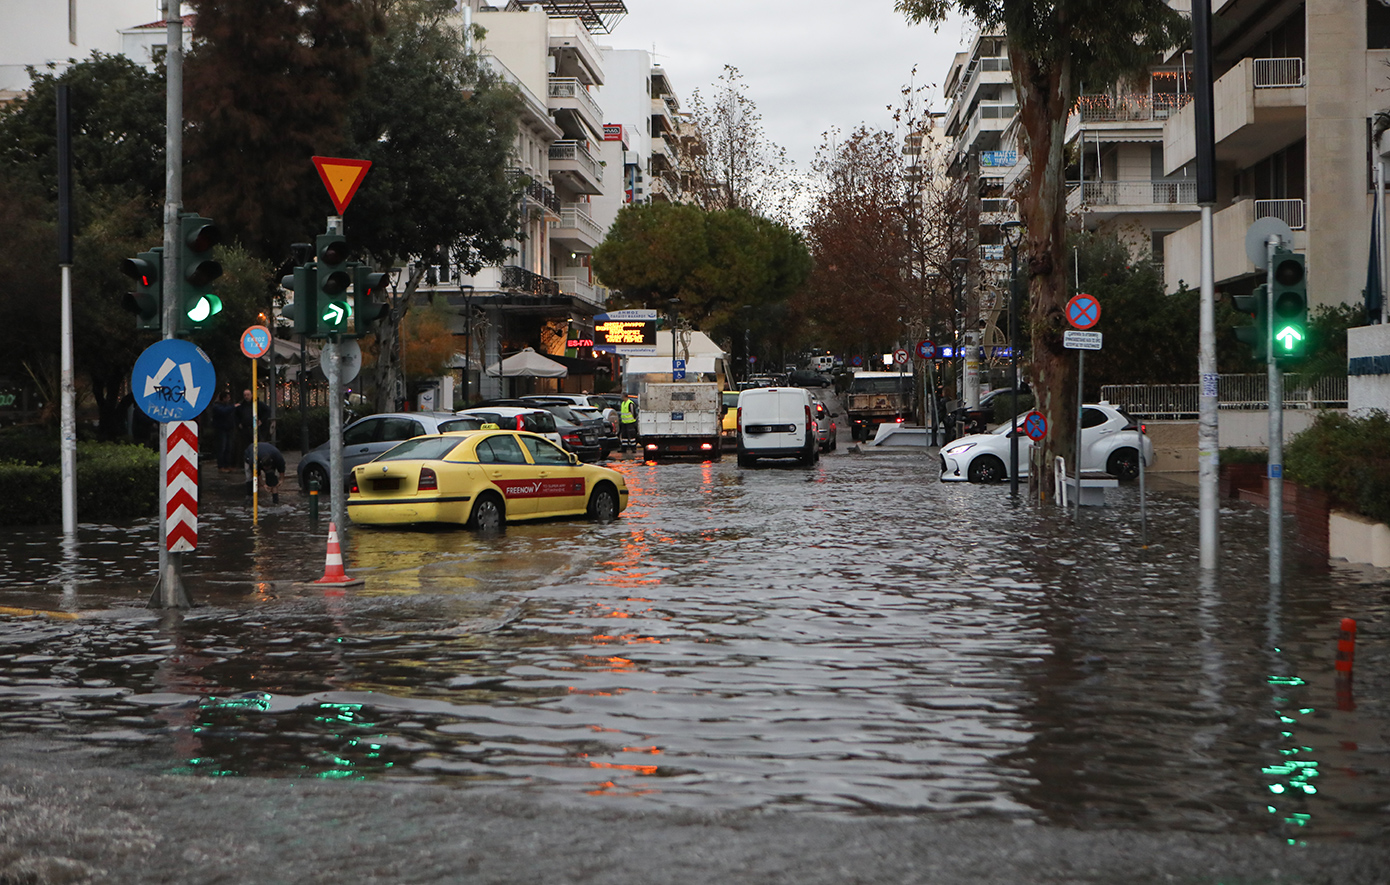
[(342, 178)]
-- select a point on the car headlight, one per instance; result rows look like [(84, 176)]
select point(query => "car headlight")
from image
[(956, 450)]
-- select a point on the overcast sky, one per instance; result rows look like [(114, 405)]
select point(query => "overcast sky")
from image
[(808, 65)]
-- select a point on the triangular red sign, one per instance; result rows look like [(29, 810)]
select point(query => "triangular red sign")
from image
[(341, 178)]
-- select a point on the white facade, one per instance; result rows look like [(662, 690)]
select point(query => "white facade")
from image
[(43, 32)]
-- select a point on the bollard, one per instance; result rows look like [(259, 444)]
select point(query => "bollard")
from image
[(1346, 657), (314, 500)]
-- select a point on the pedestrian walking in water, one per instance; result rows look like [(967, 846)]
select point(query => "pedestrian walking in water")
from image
[(265, 464)]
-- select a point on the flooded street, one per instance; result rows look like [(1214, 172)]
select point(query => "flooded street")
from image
[(855, 638)]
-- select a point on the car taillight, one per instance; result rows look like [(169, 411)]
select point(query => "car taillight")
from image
[(520, 424), (573, 439), (808, 415), (429, 482), (353, 490), (740, 419), (706, 447)]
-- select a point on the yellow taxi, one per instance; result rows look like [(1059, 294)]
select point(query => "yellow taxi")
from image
[(728, 424), (481, 478)]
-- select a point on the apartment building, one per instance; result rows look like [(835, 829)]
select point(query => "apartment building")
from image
[(642, 110), (40, 34)]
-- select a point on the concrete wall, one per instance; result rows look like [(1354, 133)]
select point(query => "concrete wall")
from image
[(36, 33), (1368, 392), (1175, 442), (626, 99), (521, 41), (1358, 539)]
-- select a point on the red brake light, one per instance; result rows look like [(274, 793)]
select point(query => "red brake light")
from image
[(353, 490), (520, 425), (429, 482), (573, 439)]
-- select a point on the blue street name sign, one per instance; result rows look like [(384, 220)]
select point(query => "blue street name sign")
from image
[(173, 380)]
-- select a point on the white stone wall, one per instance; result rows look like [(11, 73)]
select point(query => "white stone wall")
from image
[(1368, 392)]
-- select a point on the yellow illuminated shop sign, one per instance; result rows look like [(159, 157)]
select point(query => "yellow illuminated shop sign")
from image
[(619, 332)]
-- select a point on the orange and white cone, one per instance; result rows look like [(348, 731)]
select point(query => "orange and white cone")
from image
[(333, 572)]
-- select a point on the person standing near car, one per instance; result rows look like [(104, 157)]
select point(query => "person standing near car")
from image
[(627, 420)]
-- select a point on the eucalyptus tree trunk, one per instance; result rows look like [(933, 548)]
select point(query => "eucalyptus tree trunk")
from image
[(388, 369)]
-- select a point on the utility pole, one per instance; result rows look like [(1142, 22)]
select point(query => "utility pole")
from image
[(1208, 432), (971, 339)]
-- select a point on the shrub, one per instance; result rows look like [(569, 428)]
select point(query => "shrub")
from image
[(1233, 455), (1348, 458), (114, 481)]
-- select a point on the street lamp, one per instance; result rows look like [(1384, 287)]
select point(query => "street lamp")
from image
[(958, 282), (467, 292), (1013, 233)]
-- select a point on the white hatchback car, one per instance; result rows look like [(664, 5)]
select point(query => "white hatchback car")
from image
[(1110, 442)]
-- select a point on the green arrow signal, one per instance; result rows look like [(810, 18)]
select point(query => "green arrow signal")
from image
[(334, 314), (1289, 336)]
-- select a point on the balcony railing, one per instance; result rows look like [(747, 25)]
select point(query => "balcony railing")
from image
[(578, 219), (1133, 193), (997, 206), (519, 279), (1280, 73), (1288, 211), (538, 192), (1250, 392), (570, 87), (576, 152), (992, 252), (1130, 107), (582, 289)]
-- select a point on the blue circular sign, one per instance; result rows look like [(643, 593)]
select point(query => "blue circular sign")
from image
[(255, 341), (926, 350), (1083, 311), (1035, 426), (173, 380), (857, 361)]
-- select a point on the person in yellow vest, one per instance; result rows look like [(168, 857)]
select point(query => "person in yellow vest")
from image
[(627, 421)]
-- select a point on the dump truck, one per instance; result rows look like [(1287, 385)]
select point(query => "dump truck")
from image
[(875, 398), (679, 419)]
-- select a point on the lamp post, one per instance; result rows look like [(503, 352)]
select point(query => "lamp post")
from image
[(958, 282), (1012, 232), (467, 292)]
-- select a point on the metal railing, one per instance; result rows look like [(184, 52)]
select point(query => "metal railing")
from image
[(1249, 392), (570, 87), (1288, 211), (522, 280), (582, 289), (992, 252), (1280, 73), (997, 206), (537, 191), (1130, 107), (579, 219), (1135, 193), (576, 152)]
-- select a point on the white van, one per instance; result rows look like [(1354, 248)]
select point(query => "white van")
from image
[(776, 422), (822, 363)]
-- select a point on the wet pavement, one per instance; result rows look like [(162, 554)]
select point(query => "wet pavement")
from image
[(854, 643)]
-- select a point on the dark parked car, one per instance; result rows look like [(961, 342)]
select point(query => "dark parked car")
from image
[(808, 378)]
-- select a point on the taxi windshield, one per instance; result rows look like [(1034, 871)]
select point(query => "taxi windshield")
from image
[(425, 448)]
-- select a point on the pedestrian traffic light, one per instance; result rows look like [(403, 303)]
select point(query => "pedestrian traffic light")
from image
[(367, 287), (147, 301), (1255, 335), (1290, 305), (303, 310), (197, 303), (332, 280)]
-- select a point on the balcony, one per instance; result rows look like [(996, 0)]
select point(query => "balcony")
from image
[(537, 194), (662, 119), (1260, 108), (662, 156), (1288, 211), (997, 210), (575, 52), (519, 279), (576, 229), (575, 109), (989, 70), (1123, 197), (582, 289), (1182, 250), (572, 162), (1130, 107)]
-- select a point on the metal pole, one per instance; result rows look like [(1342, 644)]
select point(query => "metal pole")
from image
[(303, 396), (333, 368), (1080, 410), (68, 430), (255, 448), (1276, 427), (1013, 369), (1208, 430), (170, 592)]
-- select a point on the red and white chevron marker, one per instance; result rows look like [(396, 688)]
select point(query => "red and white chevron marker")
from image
[(181, 487)]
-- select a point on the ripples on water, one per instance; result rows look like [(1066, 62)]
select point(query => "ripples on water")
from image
[(856, 637)]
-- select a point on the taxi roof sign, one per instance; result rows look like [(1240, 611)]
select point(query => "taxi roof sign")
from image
[(341, 178)]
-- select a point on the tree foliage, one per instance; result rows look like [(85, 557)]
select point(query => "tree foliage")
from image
[(267, 86), (1054, 46)]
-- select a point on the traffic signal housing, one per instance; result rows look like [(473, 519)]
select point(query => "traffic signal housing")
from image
[(303, 311), (332, 280), (197, 303), (367, 286), (1290, 319), (1256, 335), (147, 301)]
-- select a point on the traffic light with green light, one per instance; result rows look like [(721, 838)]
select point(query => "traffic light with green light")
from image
[(1290, 320), (197, 303), (367, 287), (332, 278), (303, 311), (147, 301), (1256, 335)]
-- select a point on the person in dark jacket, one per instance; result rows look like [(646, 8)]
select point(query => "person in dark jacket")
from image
[(264, 462), (224, 424)]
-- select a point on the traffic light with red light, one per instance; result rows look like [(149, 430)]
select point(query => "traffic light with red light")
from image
[(367, 287), (147, 300)]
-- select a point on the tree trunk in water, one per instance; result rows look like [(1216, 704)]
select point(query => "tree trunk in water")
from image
[(1045, 98), (388, 367)]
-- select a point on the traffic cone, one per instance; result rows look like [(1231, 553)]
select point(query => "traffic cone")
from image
[(333, 572)]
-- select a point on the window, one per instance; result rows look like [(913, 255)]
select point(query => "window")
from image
[(400, 428), (1093, 418), (433, 448), (501, 449), (543, 452), (455, 424), (1156, 244), (362, 433)]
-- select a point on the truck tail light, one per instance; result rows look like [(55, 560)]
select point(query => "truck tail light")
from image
[(706, 447), (429, 481)]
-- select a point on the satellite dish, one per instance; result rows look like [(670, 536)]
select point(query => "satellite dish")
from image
[(350, 359), (1258, 236)]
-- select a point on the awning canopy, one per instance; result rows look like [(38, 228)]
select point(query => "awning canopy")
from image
[(656, 365), (527, 364)]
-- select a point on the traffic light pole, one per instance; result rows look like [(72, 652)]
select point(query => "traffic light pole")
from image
[(169, 590), (1276, 426), (334, 370)]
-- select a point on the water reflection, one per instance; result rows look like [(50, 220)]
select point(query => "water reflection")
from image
[(855, 637)]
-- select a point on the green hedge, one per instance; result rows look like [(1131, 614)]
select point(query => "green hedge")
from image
[(1348, 458), (115, 481)]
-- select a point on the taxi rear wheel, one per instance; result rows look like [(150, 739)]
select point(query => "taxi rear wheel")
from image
[(603, 504), (489, 514)]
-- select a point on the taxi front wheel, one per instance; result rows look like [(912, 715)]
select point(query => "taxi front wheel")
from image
[(489, 514), (603, 504)]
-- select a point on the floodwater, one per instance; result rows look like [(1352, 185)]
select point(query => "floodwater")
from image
[(854, 638)]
